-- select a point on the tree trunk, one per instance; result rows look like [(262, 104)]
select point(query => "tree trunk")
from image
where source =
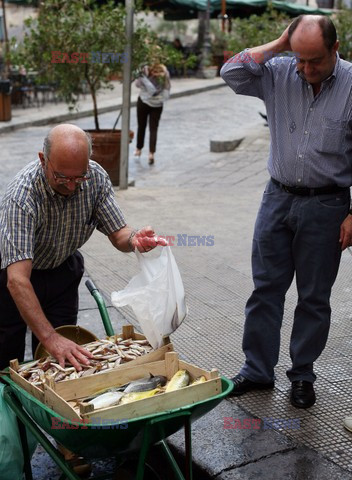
[(94, 98), (7, 63), (95, 109)]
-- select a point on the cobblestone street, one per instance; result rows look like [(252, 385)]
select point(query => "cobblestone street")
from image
[(193, 192)]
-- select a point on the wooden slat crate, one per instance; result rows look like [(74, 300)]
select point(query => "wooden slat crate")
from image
[(61, 399), (70, 385)]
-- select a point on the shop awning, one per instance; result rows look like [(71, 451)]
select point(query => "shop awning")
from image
[(183, 9)]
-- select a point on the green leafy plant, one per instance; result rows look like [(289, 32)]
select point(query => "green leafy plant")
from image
[(343, 23), (256, 30), (75, 27), (219, 39)]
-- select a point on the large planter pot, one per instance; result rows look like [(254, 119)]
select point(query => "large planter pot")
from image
[(219, 62), (106, 151), (209, 72)]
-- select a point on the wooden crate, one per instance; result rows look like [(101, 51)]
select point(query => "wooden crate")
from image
[(71, 385), (37, 392), (59, 397)]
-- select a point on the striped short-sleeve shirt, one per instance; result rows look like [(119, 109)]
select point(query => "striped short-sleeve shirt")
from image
[(39, 224)]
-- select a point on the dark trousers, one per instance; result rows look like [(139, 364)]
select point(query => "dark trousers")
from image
[(57, 291), (293, 235), (154, 113)]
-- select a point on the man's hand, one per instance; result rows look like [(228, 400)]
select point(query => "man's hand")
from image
[(127, 239), (263, 53), (146, 239), (64, 349), (346, 232), (23, 294), (284, 41)]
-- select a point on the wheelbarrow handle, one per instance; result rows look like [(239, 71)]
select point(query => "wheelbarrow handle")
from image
[(102, 307), (91, 286)]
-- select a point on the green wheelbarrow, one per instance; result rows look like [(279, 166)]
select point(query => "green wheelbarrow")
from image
[(113, 439)]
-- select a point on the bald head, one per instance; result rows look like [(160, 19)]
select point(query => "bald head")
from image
[(309, 27), (66, 153), (314, 43), (67, 137)]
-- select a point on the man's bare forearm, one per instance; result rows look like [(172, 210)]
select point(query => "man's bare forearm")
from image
[(28, 305), (263, 53), (27, 302), (122, 239)]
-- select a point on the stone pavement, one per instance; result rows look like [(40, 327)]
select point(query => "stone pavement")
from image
[(107, 101), (192, 192), (221, 199)]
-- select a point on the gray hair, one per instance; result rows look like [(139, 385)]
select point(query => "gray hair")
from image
[(47, 144)]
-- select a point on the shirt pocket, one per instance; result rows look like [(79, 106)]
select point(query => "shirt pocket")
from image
[(333, 136)]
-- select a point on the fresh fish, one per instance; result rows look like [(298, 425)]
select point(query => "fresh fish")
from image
[(108, 354), (27, 366), (179, 380), (133, 396), (145, 384), (130, 357), (89, 371), (198, 380), (106, 400)]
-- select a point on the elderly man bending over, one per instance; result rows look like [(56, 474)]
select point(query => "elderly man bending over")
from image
[(49, 210)]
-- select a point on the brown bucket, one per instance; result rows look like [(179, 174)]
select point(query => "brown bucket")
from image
[(75, 333)]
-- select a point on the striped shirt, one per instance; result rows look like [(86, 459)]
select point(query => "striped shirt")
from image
[(311, 137), (39, 224)]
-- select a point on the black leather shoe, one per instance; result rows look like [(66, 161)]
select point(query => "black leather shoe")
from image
[(243, 385), (302, 394)]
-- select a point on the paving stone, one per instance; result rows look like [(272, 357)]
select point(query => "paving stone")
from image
[(234, 447), (298, 464)]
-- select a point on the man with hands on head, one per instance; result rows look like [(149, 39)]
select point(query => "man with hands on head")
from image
[(49, 210), (303, 222)]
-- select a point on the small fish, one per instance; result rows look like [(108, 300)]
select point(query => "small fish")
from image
[(198, 380), (179, 380), (133, 396), (27, 366), (130, 357), (89, 371), (145, 384), (106, 400)]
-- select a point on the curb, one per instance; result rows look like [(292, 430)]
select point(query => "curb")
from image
[(89, 112)]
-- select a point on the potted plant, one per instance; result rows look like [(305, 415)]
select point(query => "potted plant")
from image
[(219, 47), (208, 69), (77, 42)]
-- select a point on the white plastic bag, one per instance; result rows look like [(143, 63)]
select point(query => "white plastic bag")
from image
[(156, 295), (149, 86)]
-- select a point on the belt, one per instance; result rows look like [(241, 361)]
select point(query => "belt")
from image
[(306, 191)]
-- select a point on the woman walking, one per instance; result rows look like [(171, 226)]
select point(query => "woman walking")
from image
[(155, 89)]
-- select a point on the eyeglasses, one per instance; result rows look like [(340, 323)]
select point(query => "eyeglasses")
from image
[(64, 180)]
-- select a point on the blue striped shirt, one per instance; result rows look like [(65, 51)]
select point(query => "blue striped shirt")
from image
[(311, 137), (39, 224)]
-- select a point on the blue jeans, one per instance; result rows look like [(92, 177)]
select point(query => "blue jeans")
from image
[(293, 235)]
